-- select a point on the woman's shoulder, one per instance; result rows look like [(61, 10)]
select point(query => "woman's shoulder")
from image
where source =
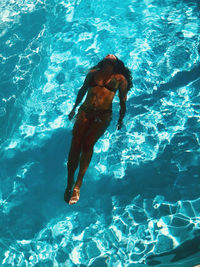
[(90, 73), (93, 70), (120, 77)]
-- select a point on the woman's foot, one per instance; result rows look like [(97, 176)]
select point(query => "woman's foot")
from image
[(75, 195), (67, 195)]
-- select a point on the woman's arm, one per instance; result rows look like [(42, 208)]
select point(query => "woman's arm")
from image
[(82, 91), (122, 98)]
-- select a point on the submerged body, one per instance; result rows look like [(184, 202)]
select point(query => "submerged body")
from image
[(92, 120)]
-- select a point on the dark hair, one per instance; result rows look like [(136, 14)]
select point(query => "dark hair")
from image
[(119, 68)]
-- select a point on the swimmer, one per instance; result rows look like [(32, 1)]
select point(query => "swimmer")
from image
[(94, 116)]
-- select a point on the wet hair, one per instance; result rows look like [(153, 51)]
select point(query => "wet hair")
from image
[(119, 68)]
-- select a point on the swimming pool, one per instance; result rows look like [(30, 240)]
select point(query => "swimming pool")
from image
[(140, 195)]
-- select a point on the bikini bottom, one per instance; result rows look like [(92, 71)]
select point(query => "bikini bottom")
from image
[(96, 115)]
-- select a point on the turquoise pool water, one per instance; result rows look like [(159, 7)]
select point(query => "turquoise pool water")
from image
[(140, 203)]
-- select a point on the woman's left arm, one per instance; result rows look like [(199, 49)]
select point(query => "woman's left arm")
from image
[(122, 98)]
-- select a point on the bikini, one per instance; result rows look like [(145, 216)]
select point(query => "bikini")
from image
[(98, 114), (107, 86)]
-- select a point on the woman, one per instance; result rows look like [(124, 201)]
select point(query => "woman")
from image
[(101, 84)]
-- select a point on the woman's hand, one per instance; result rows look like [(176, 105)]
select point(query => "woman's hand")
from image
[(119, 125), (71, 114)]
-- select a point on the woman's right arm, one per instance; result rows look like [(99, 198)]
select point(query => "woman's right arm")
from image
[(82, 91)]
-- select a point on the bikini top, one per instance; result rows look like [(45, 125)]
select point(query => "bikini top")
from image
[(108, 85)]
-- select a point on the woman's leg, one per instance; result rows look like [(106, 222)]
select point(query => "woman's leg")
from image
[(79, 130), (94, 133)]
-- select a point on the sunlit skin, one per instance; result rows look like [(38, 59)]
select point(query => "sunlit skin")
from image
[(86, 132)]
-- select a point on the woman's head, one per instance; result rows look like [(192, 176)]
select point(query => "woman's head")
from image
[(118, 67)]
